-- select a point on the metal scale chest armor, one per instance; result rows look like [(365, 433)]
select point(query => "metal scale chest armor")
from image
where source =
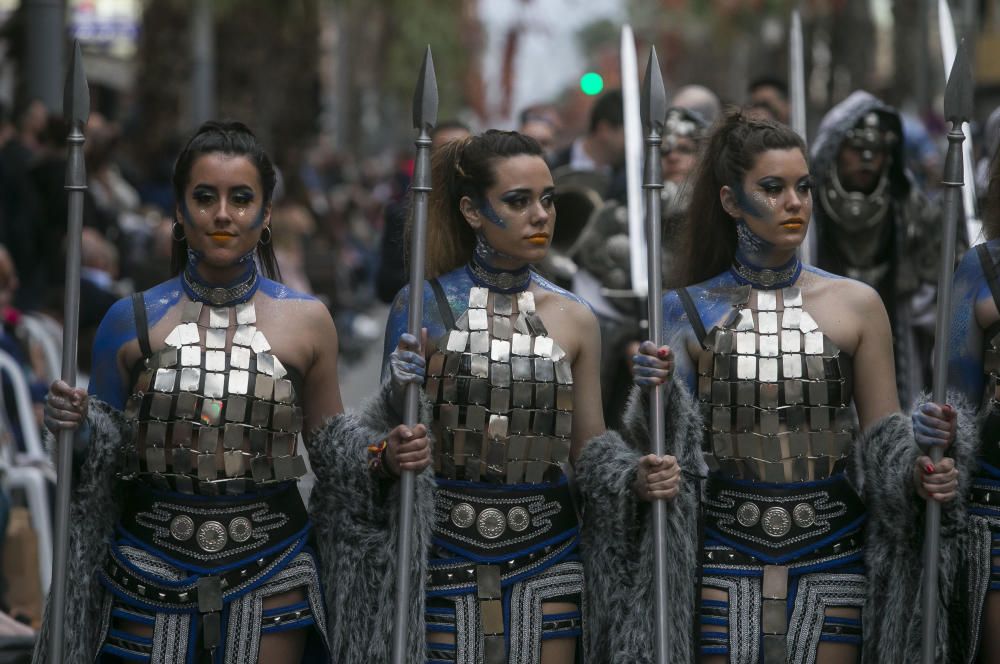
[(502, 394), (211, 421), (775, 393)]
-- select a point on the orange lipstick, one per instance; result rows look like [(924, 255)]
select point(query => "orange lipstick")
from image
[(539, 239)]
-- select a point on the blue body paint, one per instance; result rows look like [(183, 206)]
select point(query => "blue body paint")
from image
[(118, 328), (967, 339)]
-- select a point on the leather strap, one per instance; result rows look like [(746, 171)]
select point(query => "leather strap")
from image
[(692, 313), (444, 309), (141, 323)]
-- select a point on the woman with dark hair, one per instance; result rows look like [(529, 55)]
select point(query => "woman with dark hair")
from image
[(974, 371), (512, 379), (772, 369), (190, 540)]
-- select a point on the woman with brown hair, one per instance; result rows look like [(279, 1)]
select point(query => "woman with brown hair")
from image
[(512, 377), (771, 366)]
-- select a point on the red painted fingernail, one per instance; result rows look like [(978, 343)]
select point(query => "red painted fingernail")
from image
[(929, 468), (662, 353)]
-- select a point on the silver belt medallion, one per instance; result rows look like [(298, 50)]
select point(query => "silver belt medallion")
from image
[(777, 522), (212, 537)]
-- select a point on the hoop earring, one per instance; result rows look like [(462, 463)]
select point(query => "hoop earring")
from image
[(265, 236), (173, 232)]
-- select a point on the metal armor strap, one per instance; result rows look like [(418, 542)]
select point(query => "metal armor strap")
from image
[(502, 391), (141, 324), (693, 316), (775, 393), (990, 270)]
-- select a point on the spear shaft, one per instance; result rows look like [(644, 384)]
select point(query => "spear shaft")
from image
[(654, 113), (424, 119), (77, 106), (958, 108)]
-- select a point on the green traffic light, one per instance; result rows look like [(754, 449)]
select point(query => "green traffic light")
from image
[(591, 83)]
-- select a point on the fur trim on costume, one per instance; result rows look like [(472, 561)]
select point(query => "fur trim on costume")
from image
[(885, 456), (617, 540), (93, 514), (356, 519)]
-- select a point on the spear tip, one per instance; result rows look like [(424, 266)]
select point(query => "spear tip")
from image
[(76, 94), (654, 96), (958, 93), (425, 96)]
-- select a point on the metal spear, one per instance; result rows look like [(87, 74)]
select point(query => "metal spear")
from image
[(973, 224), (425, 107), (76, 108), (957, 110), (654, 115)]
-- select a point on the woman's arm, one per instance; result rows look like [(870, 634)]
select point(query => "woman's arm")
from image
[(321, 392), (588, 415), (875, 394)]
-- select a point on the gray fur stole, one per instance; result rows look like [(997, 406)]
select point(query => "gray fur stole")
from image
[(93, 514), (884, 459), (356, 520), (616, 536)]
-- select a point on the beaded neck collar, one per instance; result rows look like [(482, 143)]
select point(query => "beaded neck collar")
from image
[(765, 278), (229, 295), (501, 281)]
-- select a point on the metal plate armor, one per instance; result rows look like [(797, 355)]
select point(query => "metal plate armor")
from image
[(775, 394), (502, 391), (214, 412)]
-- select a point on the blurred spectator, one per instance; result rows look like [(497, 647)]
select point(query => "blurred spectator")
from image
[(601, 151), (541, 122), (990, 145), (113, 194), (767, 97), (293, 225), (699, 99), (920, 152), (392, 273)]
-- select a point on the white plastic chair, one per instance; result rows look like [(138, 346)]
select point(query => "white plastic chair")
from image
[(41, 330), (30, 471)]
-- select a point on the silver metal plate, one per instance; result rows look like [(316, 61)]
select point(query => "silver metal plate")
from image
[(190, 356), (518, 519), (767, 322), (543, 347), (792, 296), (478, 297), (244, 335), (218, 317), (564, 372), (491, 523), (746, 343), (768, 369), (767, 300), (259, 343), (744, 321), (164, 381), (769, 345), (791, 341), (463, 515), (748, 514), (479, 342), (521, 344), (791, 319), (215, 360), (502, 328), (212, 537), (215, 385), (808, 323), (746, 367), (239, 382), (500, 350), (477, 319), (246, 314), (457, 341), (240, 529), (804, 515), (191, 311), (479, 366), (776, 521), (215, 338), (526, 302), (265, 364), (502, 304), (189, 334), (813, 343), (182, 527)]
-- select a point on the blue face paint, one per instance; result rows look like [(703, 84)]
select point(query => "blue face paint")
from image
[(258, 221), (487, 211)]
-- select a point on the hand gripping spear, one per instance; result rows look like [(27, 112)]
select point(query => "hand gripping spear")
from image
[(76, 108), (425, 107), (957, 110), (654, 113)]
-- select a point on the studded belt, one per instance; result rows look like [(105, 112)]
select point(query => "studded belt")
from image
[(778, 523), (495, 523), (218, 532)]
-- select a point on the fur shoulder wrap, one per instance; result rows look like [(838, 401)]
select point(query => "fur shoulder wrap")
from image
[(93, 514), (356, 520), (885, 456), (616, 536)]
